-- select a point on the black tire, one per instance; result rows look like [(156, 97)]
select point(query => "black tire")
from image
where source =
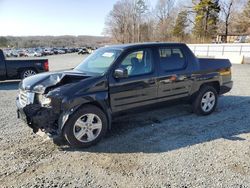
[(197, 104), (69, 128), (26, 71)]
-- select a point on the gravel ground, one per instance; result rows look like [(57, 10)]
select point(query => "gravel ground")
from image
[(169, 147)]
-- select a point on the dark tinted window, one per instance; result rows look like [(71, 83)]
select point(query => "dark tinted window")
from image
[(138, 62), (171, 59)]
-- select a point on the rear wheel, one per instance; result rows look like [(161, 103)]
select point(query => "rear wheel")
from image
[(85, 127), (205, 101), (27, 73)]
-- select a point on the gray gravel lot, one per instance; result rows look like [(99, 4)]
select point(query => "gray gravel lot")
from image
[(169, 147)]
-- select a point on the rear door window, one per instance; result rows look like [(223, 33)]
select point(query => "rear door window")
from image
[(171, 59)]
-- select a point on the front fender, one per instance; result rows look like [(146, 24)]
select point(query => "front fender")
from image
[(69, 106), (100, 97)]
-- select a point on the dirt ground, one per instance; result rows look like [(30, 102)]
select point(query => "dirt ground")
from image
[(169, 147)]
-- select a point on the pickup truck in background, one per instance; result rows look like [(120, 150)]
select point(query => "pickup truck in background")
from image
[(20, 69), (79, 104)]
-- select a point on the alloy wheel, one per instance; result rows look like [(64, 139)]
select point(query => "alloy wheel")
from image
[(208, 101), (87, 128)]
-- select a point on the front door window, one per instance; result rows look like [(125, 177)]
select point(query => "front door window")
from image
[(138, 63)]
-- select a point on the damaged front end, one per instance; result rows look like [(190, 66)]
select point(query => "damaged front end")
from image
[(39, 106), (39, 112), (41, 118)]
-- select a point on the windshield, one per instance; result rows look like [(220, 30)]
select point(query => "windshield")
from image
[(99, 61)]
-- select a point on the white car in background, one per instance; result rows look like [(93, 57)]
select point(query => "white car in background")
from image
[(33, 54)]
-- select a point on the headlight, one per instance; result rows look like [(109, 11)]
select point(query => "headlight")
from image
[(39, 88), (55, 78), (44, 101)]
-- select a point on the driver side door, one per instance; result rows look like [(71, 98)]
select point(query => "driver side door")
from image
[(139, 88)]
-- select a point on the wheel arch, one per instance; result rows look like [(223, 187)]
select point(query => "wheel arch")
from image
[(99, 104), (106, 110), (214, 84)]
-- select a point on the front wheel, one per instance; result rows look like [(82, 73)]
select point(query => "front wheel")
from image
[(205, 101), (85, 127)]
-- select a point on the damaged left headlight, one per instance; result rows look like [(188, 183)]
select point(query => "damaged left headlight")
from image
[(51, 81), (39, 88), (44, 101)]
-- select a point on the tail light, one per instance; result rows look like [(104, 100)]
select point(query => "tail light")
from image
[(225, 72), (46, 65)]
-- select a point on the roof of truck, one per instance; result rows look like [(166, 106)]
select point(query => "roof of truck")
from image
[(146, 44)]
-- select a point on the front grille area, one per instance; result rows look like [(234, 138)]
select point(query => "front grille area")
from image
[(26, 98)]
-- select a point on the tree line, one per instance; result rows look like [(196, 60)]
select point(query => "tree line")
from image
[(170, 20), (191, 21), (52, 41)]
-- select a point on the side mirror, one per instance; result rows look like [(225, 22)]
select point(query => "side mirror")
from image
[(121, 73)]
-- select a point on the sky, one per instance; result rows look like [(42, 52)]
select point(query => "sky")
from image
[(54, 17)]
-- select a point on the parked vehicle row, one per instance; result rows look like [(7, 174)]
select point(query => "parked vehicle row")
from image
[(39, 52)]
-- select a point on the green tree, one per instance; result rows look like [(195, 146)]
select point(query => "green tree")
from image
[(207, 16), (181, 25), (141, 6)]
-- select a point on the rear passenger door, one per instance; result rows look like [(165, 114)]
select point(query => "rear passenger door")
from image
[(173, 80)]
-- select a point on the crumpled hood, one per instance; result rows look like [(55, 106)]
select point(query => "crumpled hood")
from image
[(40, 82)]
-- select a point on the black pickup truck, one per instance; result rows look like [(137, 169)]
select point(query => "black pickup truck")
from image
[(20, 69), (79, 104)]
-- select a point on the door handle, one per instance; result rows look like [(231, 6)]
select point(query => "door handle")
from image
[(173, 78), (177, 78), (181, 78), (169, 79)]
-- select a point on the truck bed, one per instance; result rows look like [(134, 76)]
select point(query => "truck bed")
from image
[(210, 64)]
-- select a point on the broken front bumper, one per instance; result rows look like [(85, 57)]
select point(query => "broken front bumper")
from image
[(37, 117)]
